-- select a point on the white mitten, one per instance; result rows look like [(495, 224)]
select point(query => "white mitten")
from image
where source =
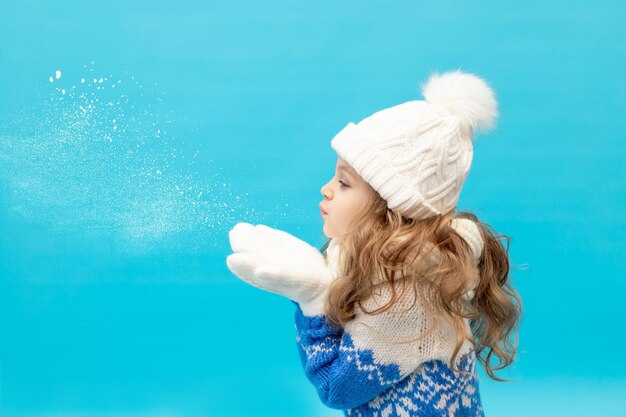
[(278, 262)]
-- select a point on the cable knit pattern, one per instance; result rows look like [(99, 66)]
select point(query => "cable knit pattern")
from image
[(394, 363), (417, 154)]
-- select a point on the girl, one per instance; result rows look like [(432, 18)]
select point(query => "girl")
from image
[(407, 294)]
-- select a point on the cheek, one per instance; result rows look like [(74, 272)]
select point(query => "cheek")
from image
[(348, 211), (358, 205)]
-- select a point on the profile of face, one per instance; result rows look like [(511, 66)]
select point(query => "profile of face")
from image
[(345, 195)]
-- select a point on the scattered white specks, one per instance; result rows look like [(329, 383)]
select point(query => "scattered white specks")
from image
[(129, 199)]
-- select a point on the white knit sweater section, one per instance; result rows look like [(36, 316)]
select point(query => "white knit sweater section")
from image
[(406, 334)]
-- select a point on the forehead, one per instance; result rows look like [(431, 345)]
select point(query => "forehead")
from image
[(343, 165)]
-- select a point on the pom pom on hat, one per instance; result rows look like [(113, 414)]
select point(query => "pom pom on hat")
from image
[(465, 95)]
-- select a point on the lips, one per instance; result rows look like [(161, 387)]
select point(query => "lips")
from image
[(322, 211)]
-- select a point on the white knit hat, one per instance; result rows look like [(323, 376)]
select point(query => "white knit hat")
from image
[(416, 155)]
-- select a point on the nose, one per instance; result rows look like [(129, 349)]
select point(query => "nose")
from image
[(326, 191)]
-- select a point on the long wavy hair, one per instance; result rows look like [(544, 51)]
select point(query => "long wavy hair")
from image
[(381, 242)]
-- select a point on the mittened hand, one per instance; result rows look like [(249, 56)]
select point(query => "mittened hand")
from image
[(275, 261)]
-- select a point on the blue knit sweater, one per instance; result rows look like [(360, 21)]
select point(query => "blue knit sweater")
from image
[(351, 378)]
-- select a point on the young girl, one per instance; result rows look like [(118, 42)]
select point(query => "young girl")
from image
[(407, 294)]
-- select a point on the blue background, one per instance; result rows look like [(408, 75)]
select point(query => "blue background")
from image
[(99, 319)]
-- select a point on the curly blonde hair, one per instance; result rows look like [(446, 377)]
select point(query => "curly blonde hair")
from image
[(439, 263)]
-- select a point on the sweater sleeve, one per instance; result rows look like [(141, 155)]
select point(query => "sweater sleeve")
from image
[(352, 366), (342, 377)]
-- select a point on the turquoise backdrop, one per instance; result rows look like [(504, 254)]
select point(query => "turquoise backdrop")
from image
[(135, 134)]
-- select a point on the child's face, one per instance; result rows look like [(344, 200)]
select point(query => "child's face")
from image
[(344, 196)]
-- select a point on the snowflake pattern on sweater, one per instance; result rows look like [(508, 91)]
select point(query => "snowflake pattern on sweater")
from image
[(349, 378)]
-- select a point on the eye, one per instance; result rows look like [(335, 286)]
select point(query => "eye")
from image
[(343, 185)]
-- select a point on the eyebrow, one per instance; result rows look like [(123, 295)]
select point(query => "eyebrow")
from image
[(345, 169)]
